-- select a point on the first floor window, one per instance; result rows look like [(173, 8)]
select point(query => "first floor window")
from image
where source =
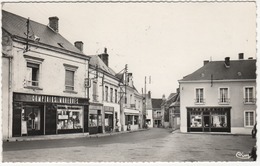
[(223, 94), (249, 95), (115, 96), (32, 74), (249, 118), (106, 93), (199, 95), (69, 80)]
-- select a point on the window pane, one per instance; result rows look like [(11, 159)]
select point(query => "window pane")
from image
[(247, 119), (196, 121), (251, 118)]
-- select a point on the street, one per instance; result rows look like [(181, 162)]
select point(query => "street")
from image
[(156, 144)]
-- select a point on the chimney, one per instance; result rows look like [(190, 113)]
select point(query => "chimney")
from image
[(149, 94), (163, 97), (241, 56), (104, 56), (54, 23), (178, 90), (227, 62), (79, 45), (205, 62)]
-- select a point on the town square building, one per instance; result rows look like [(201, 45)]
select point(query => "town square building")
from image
[(219, 97)]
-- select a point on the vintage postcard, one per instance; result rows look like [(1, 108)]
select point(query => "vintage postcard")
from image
[(158, 81)]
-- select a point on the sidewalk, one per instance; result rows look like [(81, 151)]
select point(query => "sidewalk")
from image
[(209, 133), (67, 136)]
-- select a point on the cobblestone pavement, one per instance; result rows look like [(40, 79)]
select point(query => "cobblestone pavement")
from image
[(147, 146)]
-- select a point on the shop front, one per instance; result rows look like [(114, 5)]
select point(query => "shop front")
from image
[(109, 118), (95, 118), (208, 119), (35, 114), (131, 119)]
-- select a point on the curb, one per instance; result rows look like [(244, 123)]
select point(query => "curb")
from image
[(67, 136)]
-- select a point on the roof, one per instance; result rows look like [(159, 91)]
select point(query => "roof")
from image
[(17, 27), (156, 103), (216, 70), (95, 60)]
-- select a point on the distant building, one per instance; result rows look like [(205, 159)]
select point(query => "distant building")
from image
[(131, 103), (174, 111), (148, 110), (158, 116), (219, 97), (43, 80)]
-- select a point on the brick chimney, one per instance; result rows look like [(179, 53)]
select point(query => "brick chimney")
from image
[(227, 62), (79, 45), (104, 56), (54, 23), (241, 56), (205, 62)]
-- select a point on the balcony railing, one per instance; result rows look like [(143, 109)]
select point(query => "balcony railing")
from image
[(199, 101), (224, 100), (249, 100), (31, 83)]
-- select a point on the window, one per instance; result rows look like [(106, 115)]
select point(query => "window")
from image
[(219, 119), (128, 119), (249, 95), (70, 77), (195, 119), (249, 118), (69, 80), (69, 117), (111, 94), (115, 96), (95, 93), (32, 74), (106, 93), (135, 120), (223, 95), (199, 95)]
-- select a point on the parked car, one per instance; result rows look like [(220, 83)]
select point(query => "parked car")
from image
[(254, 130)]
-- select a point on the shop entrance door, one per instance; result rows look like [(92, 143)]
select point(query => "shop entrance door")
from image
[(32, 120), (108, 122), (206, 124)]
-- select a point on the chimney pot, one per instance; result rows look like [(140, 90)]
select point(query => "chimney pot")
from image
[(227, 62), (79, 45), (241, 56), (54, 23)]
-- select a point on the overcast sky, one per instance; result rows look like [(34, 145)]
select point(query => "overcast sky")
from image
[(163, 40)]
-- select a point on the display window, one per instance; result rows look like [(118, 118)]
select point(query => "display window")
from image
[(93, 120), (135, 120), (69, 117), (196, 119), (219, 120)]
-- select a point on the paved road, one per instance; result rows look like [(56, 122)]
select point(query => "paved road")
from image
[(151, 145)]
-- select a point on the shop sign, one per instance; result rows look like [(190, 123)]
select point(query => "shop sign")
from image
[(63, 117), (48, 99)]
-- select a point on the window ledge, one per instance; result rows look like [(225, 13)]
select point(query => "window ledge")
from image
[(199, 103), (224, 103), (33, 87), (70, 91), (249, 103)]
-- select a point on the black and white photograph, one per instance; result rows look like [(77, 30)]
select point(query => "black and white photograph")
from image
[(158, 81)]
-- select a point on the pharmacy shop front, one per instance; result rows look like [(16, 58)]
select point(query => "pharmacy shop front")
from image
[(35, 114)]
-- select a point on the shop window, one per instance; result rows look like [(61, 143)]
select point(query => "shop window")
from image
[(135, 120), (70, 77), (93, 120), (196, 119), (69, 117), (219, 120), (249, 95), (128, 119), (223, 95), (199, 96), (249, 118)]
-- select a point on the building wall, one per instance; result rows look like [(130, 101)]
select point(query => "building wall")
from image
[(52, 72), (236, 92)]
